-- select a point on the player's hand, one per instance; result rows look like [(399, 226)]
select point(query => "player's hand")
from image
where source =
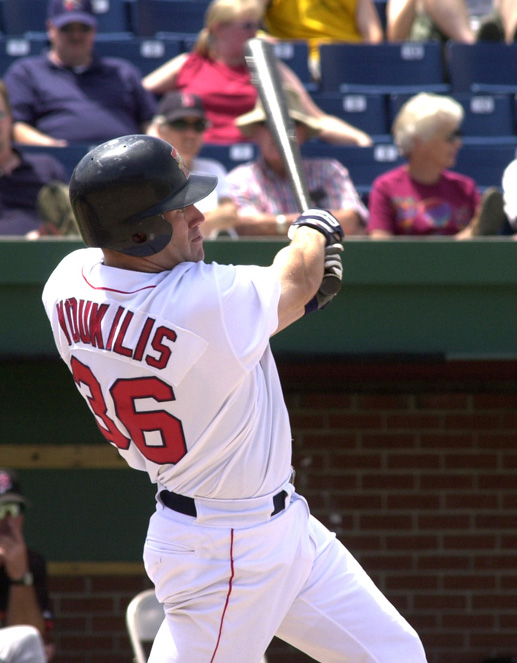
[(332, 275), (319, 219), (332, 279)]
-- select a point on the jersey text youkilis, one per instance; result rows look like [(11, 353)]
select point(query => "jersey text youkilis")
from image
[(116, 329)]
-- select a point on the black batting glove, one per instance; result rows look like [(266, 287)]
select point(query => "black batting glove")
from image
[(319, 219), (332, 279)]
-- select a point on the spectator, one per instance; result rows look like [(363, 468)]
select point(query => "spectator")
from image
[(262, 190), (24, 178), (181, 121), (423, 197), (216, 70), (319, 22), (70, 95), (24, 598), (458, 20)]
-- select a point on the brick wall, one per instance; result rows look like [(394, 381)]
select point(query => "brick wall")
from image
[(414, 467)]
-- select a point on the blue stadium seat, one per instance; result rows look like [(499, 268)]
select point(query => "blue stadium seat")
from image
[(368, 112), (151, 17), (364, 163), (29, 16), (295, 54), (230, 155), (486, 67), (69, 156), (488, 117), (382, 68), (12, 48), (145, 53), (485, 163)]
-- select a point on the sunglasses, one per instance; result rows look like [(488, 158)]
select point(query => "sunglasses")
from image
[(182, 125), (454, 135), (12, 509), (72, 27)]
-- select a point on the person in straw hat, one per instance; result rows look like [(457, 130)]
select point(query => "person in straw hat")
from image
[(262, 189)]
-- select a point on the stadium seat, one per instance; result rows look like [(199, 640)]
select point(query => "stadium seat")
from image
[(368, 112), (363, 163), (152, 17), (230, 155), (69, 156), (295, 54), (488, 117), (12, 48), (29, 16), (486, 67), (485, 163), (145, 53), (382, 68)]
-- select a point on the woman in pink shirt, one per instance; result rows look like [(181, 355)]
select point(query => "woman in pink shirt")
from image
[(216, 71), (424, 197)]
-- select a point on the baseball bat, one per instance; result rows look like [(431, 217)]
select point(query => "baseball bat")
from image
[(265, 76)]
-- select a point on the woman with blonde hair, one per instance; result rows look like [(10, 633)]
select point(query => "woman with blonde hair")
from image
[(216, 71), (424, 197)]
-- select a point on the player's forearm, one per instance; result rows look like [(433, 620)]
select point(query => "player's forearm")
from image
[(300, 269)]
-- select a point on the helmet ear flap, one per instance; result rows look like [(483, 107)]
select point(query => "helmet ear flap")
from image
[(150, 235), (120, 190)]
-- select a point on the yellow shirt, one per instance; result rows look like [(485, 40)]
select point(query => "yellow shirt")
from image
[(315, 21)]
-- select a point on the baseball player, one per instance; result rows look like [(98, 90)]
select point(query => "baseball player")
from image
[(173, 358)]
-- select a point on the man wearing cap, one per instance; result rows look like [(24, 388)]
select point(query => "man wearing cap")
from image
[(69, 94), (262, 190), (181, 121), (24, 598)]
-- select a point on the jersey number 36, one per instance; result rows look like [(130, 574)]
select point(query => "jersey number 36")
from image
[(125, 393)]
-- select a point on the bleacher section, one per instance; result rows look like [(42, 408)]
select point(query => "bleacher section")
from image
[(363, 84)]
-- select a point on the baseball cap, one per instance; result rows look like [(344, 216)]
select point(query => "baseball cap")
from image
[(10, 489), (62, 12), (296, 112), (175, 105)]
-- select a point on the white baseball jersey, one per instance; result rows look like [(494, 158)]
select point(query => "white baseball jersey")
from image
[(139, 345)]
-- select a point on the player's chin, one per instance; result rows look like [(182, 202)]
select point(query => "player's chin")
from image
[(196, 247)]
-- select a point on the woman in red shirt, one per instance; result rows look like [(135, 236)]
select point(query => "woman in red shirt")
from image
[(216, 71)]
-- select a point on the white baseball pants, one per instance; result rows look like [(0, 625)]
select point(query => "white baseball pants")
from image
[(227, 592)]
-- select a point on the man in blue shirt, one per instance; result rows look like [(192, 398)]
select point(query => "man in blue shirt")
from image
[(69, 94)]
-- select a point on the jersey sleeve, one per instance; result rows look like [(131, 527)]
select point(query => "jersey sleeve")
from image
[(249, 297)]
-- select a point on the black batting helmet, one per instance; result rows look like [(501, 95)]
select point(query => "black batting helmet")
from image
[(120, 188)]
